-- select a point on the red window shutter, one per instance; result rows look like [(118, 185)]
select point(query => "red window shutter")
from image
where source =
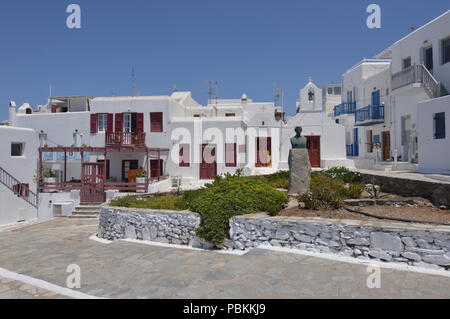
[(184, 155), (94, 126), (119, 122), (156, 122), (110, 126), (230, 155), (139, 123)]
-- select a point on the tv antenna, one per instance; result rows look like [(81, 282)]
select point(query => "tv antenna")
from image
[(279, 95), (133, 83), (212, 90)]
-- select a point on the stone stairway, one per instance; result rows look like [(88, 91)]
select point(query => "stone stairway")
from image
[(86, 211)]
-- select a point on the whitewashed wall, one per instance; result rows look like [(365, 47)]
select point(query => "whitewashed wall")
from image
[(23, 168), (434, 154)]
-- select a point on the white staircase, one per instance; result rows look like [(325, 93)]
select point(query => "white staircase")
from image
[(86, 211)]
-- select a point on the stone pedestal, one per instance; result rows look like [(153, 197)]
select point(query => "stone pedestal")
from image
[(299, 172)]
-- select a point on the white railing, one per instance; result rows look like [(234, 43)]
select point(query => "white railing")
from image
[(417, 74)]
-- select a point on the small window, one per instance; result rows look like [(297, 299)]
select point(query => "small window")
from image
[(17, 149), (230, 155), (102, 122), (230, 114), (406, 63), (184, 155), (446, 51), (337, 91), (330, 91), (439, 126), (156, 122), (197, 115)]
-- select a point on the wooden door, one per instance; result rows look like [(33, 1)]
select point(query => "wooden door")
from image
[(128, 165), (92, 183), (386, 146), (314, 150), (156, 168), (264, 152), (208, 164)]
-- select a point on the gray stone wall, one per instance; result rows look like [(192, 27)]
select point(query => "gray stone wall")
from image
[(424, 246), (153, 225), (437, 192)]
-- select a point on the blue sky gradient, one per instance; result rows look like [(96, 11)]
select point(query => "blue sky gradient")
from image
[(246, 45)]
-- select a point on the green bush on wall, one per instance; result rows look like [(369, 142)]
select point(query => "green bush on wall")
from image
[(231, 196), (329, 193)]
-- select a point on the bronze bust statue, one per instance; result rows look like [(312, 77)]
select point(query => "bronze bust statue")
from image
[(298, 141)]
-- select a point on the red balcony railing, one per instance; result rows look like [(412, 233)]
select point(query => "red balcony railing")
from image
[(125, 139)]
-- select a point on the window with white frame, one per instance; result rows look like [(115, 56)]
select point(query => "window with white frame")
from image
[(445, 50), (17, 149), (102, 122), (127, 123)]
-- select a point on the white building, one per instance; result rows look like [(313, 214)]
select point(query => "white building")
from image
[(18, 168), (394, 108), (420, 77)]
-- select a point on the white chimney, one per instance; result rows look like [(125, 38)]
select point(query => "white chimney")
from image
[(12, 113)]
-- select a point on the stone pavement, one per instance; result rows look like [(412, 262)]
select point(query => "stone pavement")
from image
[(128, 270), (10, 289)]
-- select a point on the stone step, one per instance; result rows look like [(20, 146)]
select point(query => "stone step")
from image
[(86, 212), (83, 217), (87, 208)]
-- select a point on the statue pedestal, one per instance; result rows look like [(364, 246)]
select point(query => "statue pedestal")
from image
[(299, 172)]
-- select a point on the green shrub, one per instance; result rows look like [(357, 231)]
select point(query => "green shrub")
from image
[(231, 196), (325, 193), (169, 202), (342, 174), (354, 190)]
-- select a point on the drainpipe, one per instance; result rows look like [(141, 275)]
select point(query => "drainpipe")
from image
[(12, 113)]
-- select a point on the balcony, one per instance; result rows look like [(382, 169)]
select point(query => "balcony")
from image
[(414, 79), (345, 108), (125, 139), (369, 115)]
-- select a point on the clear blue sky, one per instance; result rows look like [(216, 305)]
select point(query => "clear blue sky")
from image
[(246, 45)]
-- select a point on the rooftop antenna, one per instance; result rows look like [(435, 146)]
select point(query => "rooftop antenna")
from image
[(174, 88), (412, 28), (279, 95), (212, 90), (50, 91), (133, 82)]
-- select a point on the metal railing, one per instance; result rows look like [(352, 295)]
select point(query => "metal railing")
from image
[(125, 139), (345, 108), (21, 190), (417, 73), (370, 113)]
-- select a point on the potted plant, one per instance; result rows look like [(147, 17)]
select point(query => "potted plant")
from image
[(50, 177), (141, 178)]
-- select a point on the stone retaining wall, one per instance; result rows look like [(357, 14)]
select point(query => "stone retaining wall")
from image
[(153, 225), (424, 246), (438, 193)]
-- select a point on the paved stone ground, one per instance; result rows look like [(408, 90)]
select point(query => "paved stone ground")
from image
[(10, 289), (127, 270)]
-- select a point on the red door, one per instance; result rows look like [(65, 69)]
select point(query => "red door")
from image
[(92, 183), (314, 150), (264, 152), (208, 165), (156, 169)]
